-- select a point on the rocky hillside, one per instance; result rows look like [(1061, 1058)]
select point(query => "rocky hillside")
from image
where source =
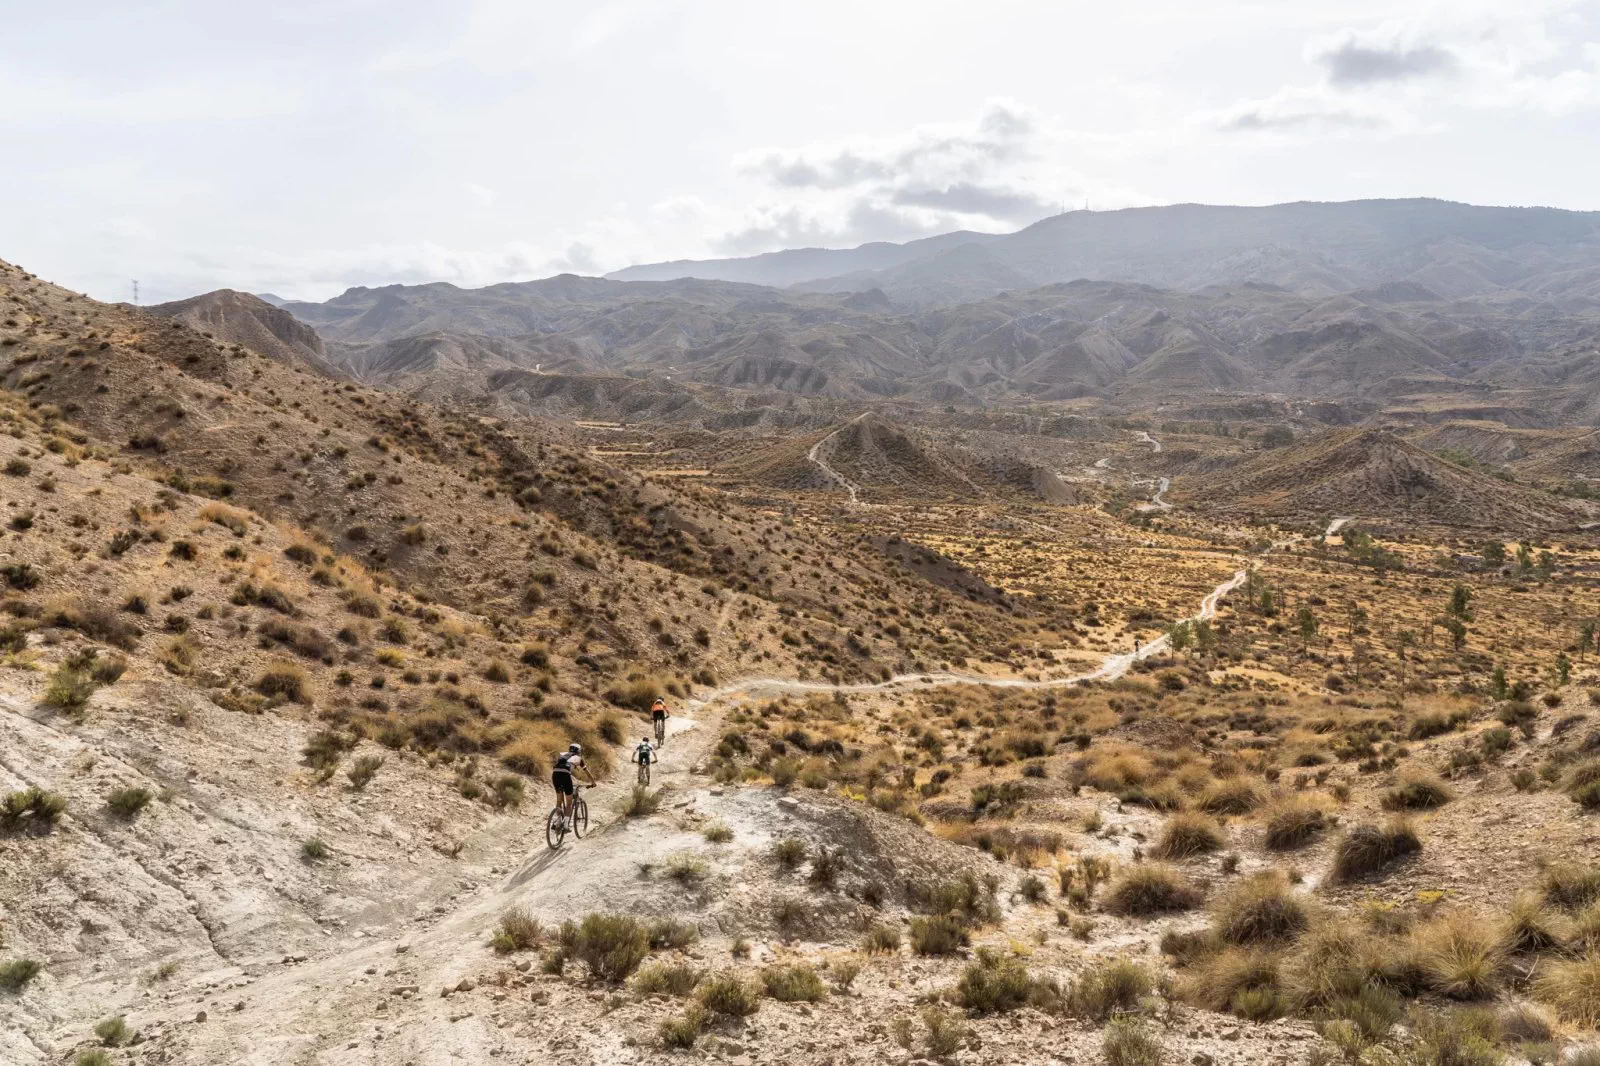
[(1371, 473)]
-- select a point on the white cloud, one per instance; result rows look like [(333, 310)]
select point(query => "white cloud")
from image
[(1004, 168)]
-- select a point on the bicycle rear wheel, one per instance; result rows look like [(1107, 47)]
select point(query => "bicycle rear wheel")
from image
[(661, 731), (555, 830), (644, 773), (580, 818)]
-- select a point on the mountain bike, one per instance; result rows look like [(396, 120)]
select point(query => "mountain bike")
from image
[(557, 825), (661, 731), (644, 772)]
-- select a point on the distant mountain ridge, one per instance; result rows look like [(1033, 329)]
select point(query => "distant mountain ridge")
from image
[(1455, 249)]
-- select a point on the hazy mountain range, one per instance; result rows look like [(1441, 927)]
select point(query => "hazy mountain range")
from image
[(1368, 300)]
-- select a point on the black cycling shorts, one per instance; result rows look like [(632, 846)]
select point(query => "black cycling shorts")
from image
[(659, 715), (562, 779)]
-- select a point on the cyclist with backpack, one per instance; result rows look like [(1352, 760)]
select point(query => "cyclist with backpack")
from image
[(644, 755), (561, 777), (658, 714)]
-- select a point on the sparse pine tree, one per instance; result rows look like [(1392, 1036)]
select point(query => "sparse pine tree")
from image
[(1306, 623), (1494, 553), (1561, 670), (1586, 636), (1461, 603), (1498, 687), (1180, 636)]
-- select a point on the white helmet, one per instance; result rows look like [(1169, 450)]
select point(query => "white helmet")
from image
[(574, 749)]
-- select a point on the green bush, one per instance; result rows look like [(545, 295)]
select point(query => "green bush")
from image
[(113, 1032), (796, 983), (611, 945), (664, 978), (1126, 1043), (938, 935), (881, 939), (1109, 988), (1150, 889), (128, 802), (30, 809), (17, 973), (517, 931), (1367, 849), (730, 995), (682, 1032), (668, 933), (994, 984)]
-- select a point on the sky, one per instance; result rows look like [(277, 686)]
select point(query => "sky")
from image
[(301, 148)]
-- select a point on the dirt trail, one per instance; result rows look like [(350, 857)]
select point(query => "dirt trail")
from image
[(843, 482)]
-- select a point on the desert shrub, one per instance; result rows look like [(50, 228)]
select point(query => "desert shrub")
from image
[(1187, 834), (284, 680), (795, 983), (717, 832), (1572, 987), (1243, 981), (881, 939), (30, 809), (363, 770), (636, 695), (1150, 889), (266, 595), (20, 575), (70, 687), (1232, 796), (666, 979), (1111, 987), (113, 1031), (17, 973), (304, 640), (682, 1032), (128, 802), (1529, 927), (96, 621), (789, 852), (1453, 1038), (685, 868), (938, 935), (1571, 886), (1261, 909), (1417, 792), (1127, 1043), (1032, 889), (994, 984), (1294, 823), (517, 931), (641, 802), (611, 945), (730, 995), (315, 849), (1461, 955), (671, 933), (825, 867), (1328, 965), (1368, 849)]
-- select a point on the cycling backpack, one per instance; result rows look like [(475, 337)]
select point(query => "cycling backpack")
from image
[(564, 761)]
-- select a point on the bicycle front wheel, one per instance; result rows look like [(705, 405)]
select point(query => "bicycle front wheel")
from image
[(580, 818), (555, 830)]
